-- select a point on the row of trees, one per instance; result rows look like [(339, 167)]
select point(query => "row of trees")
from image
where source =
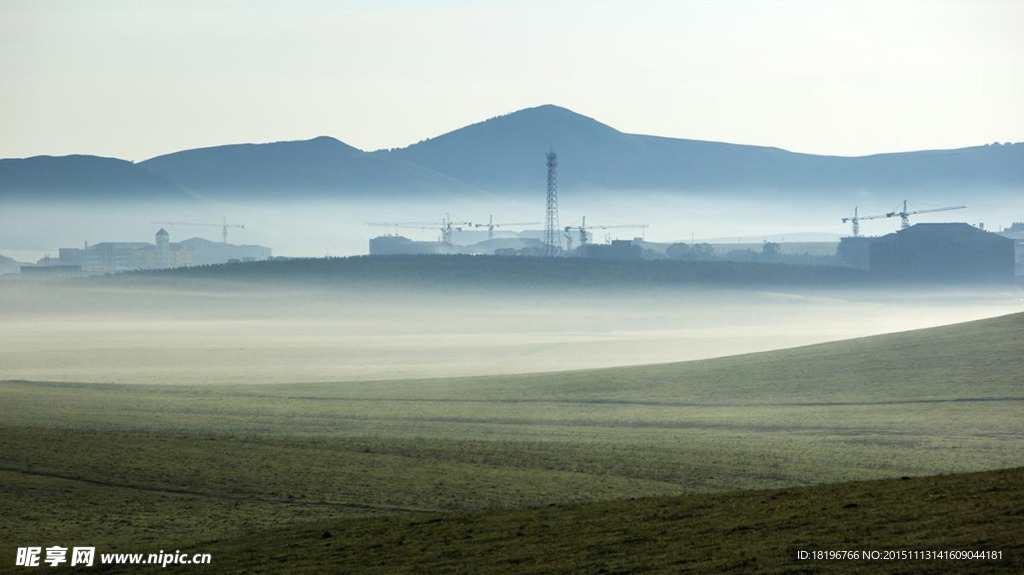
[(496, 271), (771, 252)]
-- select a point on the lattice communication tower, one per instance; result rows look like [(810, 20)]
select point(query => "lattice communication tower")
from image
[(552, 238)]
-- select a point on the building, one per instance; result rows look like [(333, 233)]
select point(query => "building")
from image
[(947, 253), (71, 256), (617, 250), (400, 245), (200, 252), (1016, 233), (118, 257), (855, 252), (163, 249), (110, 257)]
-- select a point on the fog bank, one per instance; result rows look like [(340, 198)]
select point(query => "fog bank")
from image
[(66, 332)]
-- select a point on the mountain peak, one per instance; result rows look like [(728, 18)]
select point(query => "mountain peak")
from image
[(321, 141), (549, 114), (548, 109), (511, 146), (548, 124)]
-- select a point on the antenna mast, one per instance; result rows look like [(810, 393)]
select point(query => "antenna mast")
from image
[(552, 241)]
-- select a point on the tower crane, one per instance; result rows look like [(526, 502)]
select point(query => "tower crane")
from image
[(224, 225), (584, 236), (857, 218), (446, 225), (490, 225), (905, 215)]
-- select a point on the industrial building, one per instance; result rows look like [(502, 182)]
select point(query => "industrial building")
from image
[(110, 257), (941, 252), (390, 245), (616, 250), (1016, 233)]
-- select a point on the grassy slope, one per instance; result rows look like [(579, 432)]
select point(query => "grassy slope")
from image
[(969, 360), (147, 465), (746, 532)]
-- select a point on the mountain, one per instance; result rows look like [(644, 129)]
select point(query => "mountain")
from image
[(322, 166), (506, 153), (505, 156), (78, 176)]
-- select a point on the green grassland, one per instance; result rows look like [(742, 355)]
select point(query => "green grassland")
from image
[(144, 467), (744, 532)]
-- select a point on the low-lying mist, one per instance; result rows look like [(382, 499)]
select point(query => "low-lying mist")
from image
[(199, 332), (293, 225)]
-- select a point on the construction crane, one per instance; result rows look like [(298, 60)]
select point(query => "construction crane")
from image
[(445, 233), (905, 215), (857, 218), (446, 225), (224, 225), (583, 227), (490, 225)]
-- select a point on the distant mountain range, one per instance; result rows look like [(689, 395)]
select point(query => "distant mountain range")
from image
[(92, 177), (322, 166), (505, 156)]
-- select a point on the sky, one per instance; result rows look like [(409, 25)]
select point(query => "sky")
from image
[(135, 79)]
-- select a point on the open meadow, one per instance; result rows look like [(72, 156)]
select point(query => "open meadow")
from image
[(142, 467), (511, 288)]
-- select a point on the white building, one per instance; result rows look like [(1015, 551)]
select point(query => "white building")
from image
[(108, 257)]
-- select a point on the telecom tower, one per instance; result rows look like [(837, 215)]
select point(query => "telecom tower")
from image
[(552, 240)]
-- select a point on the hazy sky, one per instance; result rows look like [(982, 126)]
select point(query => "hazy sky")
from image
[(135, 79)]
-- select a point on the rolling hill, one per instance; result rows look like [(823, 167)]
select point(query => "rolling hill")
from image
[(505, 155), (736, 533), (82, 177), (709, 466), (626, 469), (319, 167)]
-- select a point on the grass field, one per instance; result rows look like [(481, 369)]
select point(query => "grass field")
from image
[(746, 532), (138, 467)]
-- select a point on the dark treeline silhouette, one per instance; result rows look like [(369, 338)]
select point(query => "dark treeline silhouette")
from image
[(770, 252), (489, 272)]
